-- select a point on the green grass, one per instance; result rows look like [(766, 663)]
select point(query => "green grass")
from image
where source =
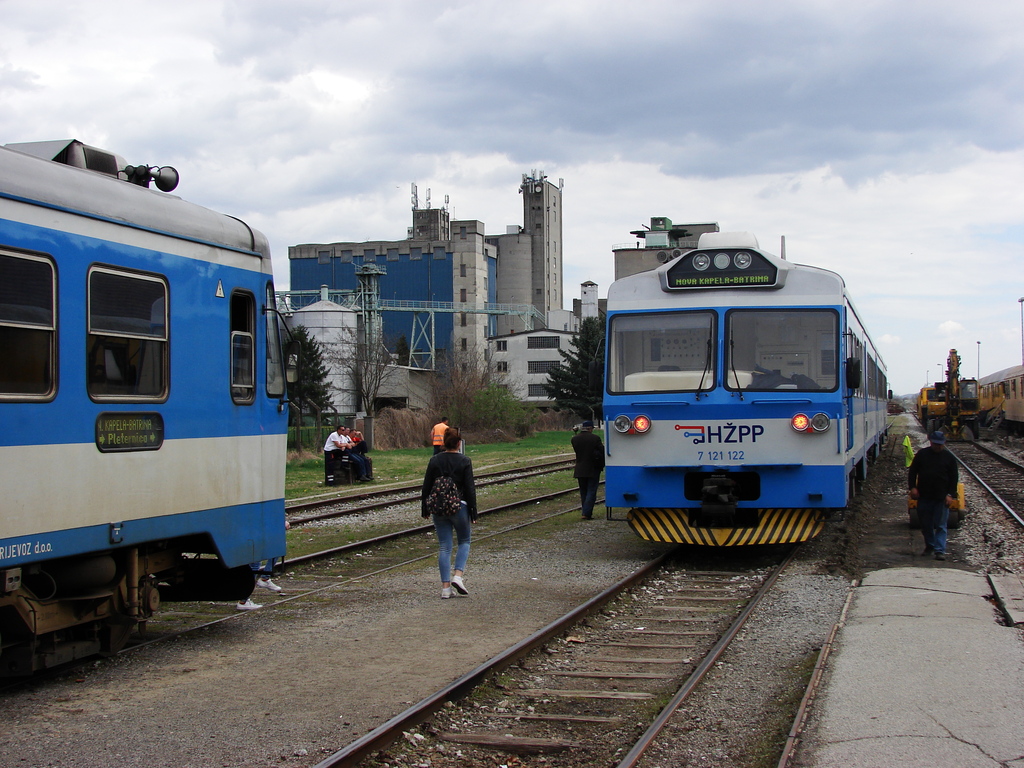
[(305, 477)]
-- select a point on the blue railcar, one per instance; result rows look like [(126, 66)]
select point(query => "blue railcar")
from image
[(142, 403), (743, 397)]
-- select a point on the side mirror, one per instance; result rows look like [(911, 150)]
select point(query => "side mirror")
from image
[(853, 373), (291, 362), (594, 376)]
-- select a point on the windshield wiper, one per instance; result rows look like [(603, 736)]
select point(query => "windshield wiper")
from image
[(732, 367), (707, 367)]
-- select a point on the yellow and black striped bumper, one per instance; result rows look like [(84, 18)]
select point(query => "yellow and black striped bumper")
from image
[(775, 526)]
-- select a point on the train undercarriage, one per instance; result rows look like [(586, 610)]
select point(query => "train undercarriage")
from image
[(55, 612)]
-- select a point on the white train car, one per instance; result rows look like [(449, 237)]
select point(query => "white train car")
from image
[(744, 398)]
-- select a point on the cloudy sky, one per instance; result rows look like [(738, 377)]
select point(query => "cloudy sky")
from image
[(884, 139)]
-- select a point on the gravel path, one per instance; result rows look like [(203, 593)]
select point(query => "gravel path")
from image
[(287, 686), (290, 685)]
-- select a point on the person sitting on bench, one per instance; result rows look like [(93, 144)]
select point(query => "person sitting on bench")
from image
[(339, 447)]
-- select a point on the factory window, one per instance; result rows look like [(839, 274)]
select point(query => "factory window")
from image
[(543, 342), (439, 252), (462, 233), (501, 346), (540, 366), (462, 295), (536, 390), (501, 367), (369, 254), (127, 336), (415, 253), (462, 270), (346, 257), (323, 257), (463, 344), (462, 319), (27, 327), (392, 254), (243, 345)]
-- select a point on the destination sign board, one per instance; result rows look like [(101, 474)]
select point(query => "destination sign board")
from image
[(129, 432), (721, 268)]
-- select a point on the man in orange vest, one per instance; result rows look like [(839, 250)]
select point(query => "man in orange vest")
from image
[(437, 434)]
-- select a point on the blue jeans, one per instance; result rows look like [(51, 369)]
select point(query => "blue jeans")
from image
[(461, 526), (933, 514), (588, 494), (361, 465), (264, 568)]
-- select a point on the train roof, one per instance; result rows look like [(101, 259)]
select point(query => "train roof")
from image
[(1013, 372), (798, 282), (27, 175)]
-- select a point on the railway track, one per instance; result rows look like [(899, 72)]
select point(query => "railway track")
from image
[(397, 494), (1001, 477), (588, 687), (188, 618)]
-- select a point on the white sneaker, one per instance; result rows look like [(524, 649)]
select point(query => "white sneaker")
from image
[(459, 586), (446, 592), (247, 605), (268, 584)]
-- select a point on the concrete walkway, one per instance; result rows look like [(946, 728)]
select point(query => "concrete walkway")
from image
[(924, 674)]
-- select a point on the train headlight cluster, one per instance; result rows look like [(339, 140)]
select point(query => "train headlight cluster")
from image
[(819, 422), (636, 425), (740, 260)]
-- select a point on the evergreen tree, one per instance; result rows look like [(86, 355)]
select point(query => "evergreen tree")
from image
[(311, 392), (569, 382), (402, 350)]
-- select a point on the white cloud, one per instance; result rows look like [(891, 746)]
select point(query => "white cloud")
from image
[(850, 129)]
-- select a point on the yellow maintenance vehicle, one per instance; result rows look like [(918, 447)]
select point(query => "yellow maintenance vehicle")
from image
[(931, 404), (962, 405)]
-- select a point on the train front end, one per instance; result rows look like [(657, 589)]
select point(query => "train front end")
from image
[(728, 416)]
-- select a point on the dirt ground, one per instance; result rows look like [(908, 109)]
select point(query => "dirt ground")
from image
[(289, 685)]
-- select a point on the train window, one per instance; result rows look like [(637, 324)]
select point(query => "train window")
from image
[(243, 344), (27, 328), (275, 355), (781, 349), (127, 337), (663, 352)]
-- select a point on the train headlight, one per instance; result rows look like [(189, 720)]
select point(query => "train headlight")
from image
[(625, 425), (820, 422), (701, 262), (722, 260), (741, 260), (800, 422)]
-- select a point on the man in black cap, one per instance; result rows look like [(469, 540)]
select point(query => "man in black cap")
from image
[(589, 463), (933, 478)]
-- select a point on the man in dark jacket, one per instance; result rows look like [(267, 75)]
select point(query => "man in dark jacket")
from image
[(933, 478), (589, 463)]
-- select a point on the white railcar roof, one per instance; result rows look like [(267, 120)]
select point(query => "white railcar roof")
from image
[(76, 190)]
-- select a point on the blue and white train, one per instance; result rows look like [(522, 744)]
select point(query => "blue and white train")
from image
[(143, 415), (743, 397)]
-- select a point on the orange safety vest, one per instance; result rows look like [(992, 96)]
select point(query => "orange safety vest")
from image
[(439, 433)]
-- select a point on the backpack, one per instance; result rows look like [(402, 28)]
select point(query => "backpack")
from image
[(444, 498)]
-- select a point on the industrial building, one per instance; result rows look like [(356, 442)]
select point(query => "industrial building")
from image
[(447, 285)]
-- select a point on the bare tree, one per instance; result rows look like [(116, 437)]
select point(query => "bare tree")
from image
[(368, 366), (472, 393)]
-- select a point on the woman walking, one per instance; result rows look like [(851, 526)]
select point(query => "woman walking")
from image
[(451, 463)]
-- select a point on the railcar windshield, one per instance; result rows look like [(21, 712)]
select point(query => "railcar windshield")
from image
[(782, 349), (663, 352)]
